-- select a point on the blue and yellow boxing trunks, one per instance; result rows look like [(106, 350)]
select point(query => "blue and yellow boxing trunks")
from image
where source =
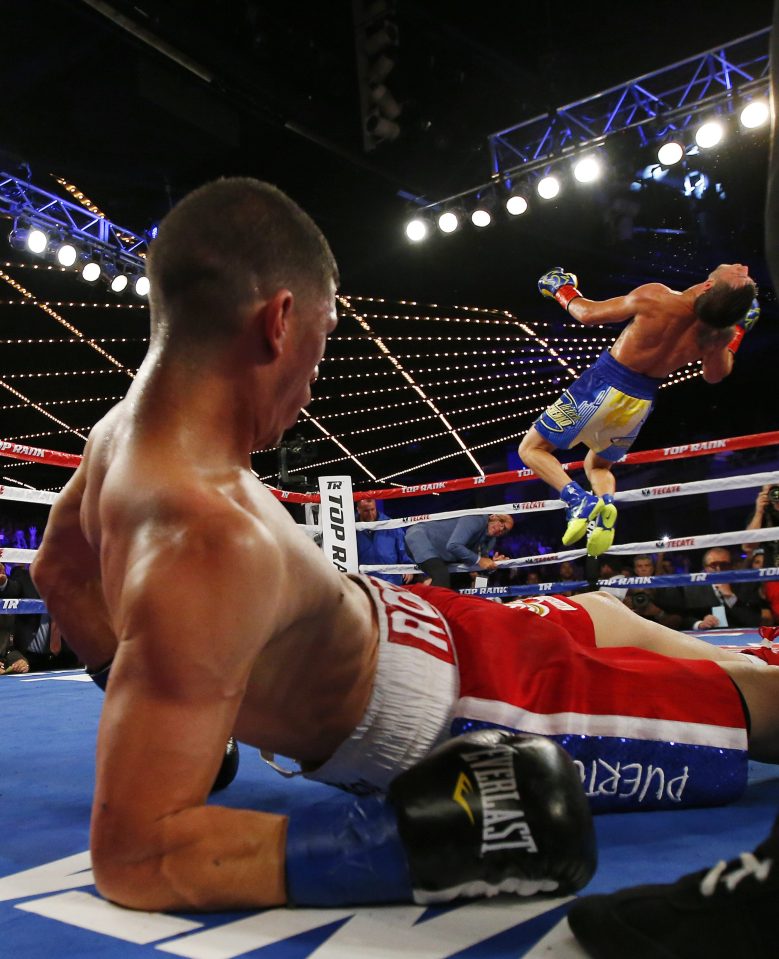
[(604, 409)]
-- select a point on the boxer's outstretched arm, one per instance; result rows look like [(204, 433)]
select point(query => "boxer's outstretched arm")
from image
[(171, 703), (617, 309)]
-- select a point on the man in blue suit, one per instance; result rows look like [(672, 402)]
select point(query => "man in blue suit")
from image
[(381, 547)]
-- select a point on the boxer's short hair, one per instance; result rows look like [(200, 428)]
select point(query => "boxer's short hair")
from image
[(722, 305), (230, 241)]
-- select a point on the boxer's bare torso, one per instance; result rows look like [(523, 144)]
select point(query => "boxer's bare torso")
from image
[(664, 333), (309, 640), (166, 556)]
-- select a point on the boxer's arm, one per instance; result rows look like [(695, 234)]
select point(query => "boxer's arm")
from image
[(66, 572), (716, 358), (617, 309), (169, 709)]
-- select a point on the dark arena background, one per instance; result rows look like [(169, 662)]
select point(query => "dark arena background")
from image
[(378, 118)]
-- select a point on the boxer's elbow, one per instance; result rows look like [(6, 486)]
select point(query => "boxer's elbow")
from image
[(714, 373), (136, 883)]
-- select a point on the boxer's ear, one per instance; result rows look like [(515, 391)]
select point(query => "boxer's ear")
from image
[(274, 317)]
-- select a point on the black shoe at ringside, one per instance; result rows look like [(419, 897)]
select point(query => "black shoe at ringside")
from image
[(726, 912)]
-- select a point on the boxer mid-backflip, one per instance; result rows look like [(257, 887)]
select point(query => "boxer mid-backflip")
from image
[(609, 403), (363, 682)]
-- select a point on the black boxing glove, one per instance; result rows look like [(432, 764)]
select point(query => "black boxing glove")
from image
[(485, 813), (494, 812)]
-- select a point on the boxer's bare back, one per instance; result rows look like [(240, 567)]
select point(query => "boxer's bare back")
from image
[(665, 333)]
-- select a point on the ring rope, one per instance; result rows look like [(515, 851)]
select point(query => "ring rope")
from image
[(705, 541), (685, 451), (664, 491), (623, 582)]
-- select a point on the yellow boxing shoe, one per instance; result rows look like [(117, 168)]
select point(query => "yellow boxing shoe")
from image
[(579, 515), (600, 533)]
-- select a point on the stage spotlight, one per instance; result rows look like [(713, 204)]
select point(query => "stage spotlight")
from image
[(516, 205), (90, 271), (670, 153), (448, 221), (37, 240), (119, 283), (548, 187), (755, 114), (482, 209), (142, 286), (17, 238), (67, 254), (709, 134), (587, 170), (417, 229)]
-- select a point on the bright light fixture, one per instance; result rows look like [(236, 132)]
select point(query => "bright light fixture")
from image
[(448, 222), (91, 271), (37, 241), (66, 254), (709, 134), (670, 153), (548, 187), (755, 114), (416, 230), (516, 205), (587, 169)]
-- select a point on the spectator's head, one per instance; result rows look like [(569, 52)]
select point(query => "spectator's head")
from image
[(717, 559), (643, 566), (567, 570), (533, 577), (3, 576), (367, 511), (667, 567), (499, 523), (608, 567), (728, 294), (757, 560)]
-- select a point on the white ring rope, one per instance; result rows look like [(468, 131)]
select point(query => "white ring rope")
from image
[(665, 545), (640, 495)]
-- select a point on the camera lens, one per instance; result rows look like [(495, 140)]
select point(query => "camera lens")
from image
[(773, 494)]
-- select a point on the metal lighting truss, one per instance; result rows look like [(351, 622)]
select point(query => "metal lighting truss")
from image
[(654, 106), (21, 201)]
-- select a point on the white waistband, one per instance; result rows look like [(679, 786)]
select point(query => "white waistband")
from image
[(413, 698)]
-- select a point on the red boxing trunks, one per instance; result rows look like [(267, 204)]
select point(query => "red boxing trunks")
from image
[(645, 731)]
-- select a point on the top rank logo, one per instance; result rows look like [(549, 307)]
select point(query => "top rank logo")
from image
[(694, 447)]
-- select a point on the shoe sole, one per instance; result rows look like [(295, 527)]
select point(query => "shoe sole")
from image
[(578, 527)]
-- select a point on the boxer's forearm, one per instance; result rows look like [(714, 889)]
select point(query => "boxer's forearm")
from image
[(203, 859)]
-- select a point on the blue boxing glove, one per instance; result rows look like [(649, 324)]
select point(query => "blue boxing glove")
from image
[(485, 813), (559, 285), (744, 325)]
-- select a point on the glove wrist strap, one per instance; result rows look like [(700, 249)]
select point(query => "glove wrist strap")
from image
[(565, 294), (346, 852), (735, 341)]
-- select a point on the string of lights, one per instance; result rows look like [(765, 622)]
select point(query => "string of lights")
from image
[(418, 389)]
